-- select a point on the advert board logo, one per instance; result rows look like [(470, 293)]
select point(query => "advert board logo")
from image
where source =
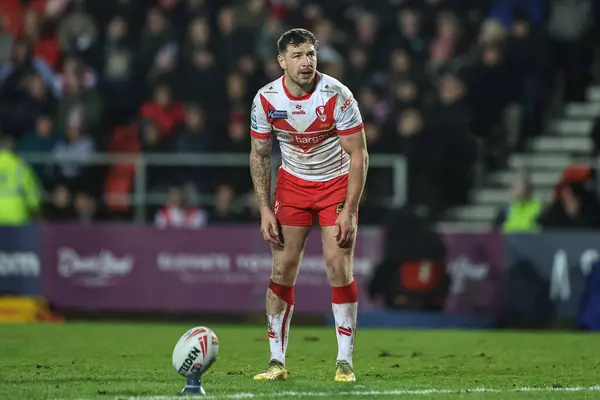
[(17, 264), (99, 269)]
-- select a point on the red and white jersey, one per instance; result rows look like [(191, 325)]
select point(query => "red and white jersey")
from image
[(308, 127)]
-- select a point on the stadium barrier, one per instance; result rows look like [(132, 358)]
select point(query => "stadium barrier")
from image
[(142, 196), (226, 269)]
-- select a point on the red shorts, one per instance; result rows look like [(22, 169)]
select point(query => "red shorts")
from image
[(297, 201)]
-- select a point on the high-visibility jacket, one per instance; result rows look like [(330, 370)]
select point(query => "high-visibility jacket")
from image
[(20, 192)]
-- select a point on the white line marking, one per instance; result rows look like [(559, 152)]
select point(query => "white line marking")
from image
[(356, 393)]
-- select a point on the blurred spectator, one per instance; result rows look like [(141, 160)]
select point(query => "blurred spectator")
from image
[(224, 210), (119, 85), (73, 150), (86, 207), (201, 80), (233, 42), (155, 36), (41, 32), (411, 33), (78, 32), (443, 177), (32, 100), (269, 33), (575, 206), (447, 42), (60, 207), (527, 58), (152, 141), (166, 112), (79, 104), (22, 63), (40, 141), (570, 32), (521, 214), (73, 66), (251, 14), (251, 210), (490, 75), (328, 53), (237, 139), (452, 108), (193, 137), (178, 214)]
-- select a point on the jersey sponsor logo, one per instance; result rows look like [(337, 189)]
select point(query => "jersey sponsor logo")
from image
[(347, 103), (299, 110), (321, 113), (277, 114), (253, 122), (307, 141)]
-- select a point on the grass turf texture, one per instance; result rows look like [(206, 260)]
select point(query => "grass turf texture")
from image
[(109, 361)]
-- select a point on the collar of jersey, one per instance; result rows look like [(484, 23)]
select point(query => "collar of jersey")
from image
[(304, 96)]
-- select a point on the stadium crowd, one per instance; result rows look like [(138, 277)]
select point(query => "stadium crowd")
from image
[(450, 84)]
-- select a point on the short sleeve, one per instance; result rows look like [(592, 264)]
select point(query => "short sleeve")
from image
[(347, 115), (260, 127)]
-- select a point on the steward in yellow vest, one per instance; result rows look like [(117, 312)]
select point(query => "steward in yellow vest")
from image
[(522, 212), (20, 194), (522, 215)]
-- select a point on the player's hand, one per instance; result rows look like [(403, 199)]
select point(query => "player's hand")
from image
[(269, 227), (345, 228)]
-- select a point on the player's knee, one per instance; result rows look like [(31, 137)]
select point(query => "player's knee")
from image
[(284, 273), (339, 270)]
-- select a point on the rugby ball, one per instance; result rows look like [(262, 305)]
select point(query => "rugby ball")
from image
[(195, 351)]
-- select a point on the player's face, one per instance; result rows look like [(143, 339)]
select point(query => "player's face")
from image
[(300, 63)]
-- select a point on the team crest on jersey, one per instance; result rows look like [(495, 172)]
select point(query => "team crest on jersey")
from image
[(321, 113), (277, 114)]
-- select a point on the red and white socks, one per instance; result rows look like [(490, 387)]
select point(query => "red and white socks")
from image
[(279, 324), (345, 306)]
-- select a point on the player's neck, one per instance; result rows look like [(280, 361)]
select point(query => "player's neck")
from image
[(298, 90)]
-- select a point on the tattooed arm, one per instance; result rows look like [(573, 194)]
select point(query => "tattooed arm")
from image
[(260, 169)]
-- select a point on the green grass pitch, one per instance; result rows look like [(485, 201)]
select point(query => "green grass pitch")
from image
[(121, 361)]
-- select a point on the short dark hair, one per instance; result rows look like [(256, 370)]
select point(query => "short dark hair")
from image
[(296, 37)]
